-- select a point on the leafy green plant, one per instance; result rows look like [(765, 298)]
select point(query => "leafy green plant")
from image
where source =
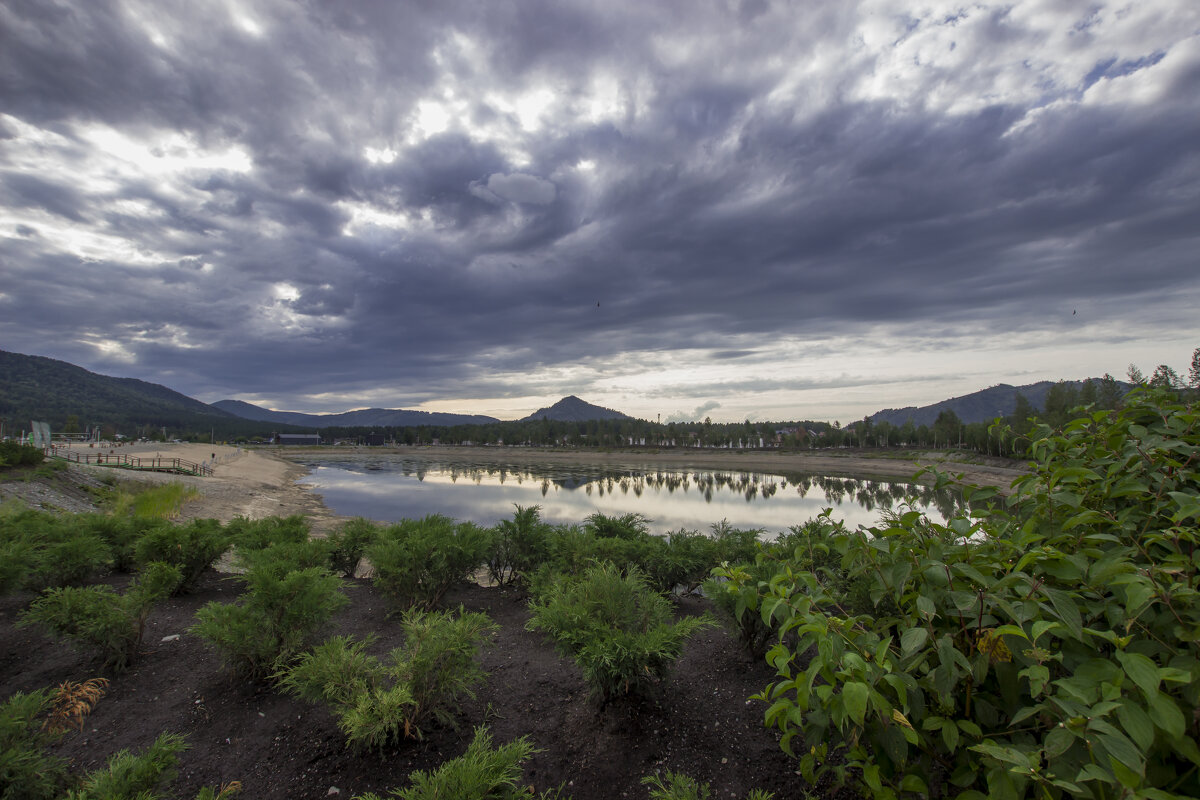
[(626, 526), (276, 616), (17, 454), (348, 543), (127, 776), (519, 545), (378, 702), (738, 591), (735, 545), (16, 561), (27, 771), (47, 550), (483, 772), (416, 561), (121, 534), (98, 617), (1047, 648), (193, 547), (256, 534), (676, 786), (680, 562), (615, 627)]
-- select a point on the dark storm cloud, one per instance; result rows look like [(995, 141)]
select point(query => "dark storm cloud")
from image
[(391, 201)]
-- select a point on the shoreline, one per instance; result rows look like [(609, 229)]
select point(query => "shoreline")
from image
[(999, 473), (259, 482)]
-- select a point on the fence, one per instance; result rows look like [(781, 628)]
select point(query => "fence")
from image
[(123, 461)]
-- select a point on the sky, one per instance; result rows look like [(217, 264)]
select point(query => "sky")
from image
[(743, 210)]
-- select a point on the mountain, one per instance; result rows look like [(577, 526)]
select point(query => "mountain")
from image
[(572, 409), (363, 418), (45, 389), (982, 406)]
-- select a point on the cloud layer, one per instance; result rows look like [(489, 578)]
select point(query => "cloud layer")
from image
[(782, 210)]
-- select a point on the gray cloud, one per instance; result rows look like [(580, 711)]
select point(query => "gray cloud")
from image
[(461, 202)]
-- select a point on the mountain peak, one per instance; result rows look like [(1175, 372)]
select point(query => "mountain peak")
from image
[(573, 409)]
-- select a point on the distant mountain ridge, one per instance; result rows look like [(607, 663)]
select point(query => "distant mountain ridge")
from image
[(572, 409), (362, 418), (982, 406), (45, 389)]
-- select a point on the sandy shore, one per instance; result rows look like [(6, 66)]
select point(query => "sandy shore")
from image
[(261, 482), (245, 483)]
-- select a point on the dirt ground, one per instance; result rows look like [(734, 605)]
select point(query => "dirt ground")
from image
[(700, 723)]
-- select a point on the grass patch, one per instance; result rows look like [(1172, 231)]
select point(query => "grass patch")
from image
[(164, 501)]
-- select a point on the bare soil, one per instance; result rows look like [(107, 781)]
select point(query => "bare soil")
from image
[(700, 721)]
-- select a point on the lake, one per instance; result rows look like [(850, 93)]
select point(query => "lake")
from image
[(388, 488)]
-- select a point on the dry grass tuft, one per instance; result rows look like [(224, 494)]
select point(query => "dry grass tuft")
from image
[(72, 702)]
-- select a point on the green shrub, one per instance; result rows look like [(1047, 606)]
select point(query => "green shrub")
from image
[(283, 557), (121, 534), (130, 777), (192, 547), (572, 550), (519, 546), (1047, 649), (615, 627), (16, 454), (276, 616), (377, 703), (416, 561), (481, 773), (681, 787), (682, 562), (97, 617), (256, 534), (735, 545), (53, 549), (16, 562), (27, 771), (738, 592), (348, 543), (627, 526)]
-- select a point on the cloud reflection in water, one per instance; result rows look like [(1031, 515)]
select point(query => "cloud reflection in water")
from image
[(392, 488)]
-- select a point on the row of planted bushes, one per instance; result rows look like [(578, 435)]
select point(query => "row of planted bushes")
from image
[(593, 596)]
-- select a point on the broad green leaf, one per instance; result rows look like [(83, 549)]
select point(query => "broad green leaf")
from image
[(854, 695), (950, 736), (1166, 715), (1141, 670), (1066, 609), (1137, 724), (1042, 626), (913, 639), (1057, 742)]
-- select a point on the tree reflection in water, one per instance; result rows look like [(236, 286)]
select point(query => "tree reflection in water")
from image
[(595, 485)]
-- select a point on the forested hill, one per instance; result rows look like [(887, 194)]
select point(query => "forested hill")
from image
[(363, 418), (996, 401), (572, 409), (44, 389)]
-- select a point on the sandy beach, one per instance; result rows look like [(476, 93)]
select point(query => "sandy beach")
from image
[(262, 482), (245, 482)]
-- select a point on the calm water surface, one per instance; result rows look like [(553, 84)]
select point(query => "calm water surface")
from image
[(388, 488)]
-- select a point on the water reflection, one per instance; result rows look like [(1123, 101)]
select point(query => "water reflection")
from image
[(388, 488)]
